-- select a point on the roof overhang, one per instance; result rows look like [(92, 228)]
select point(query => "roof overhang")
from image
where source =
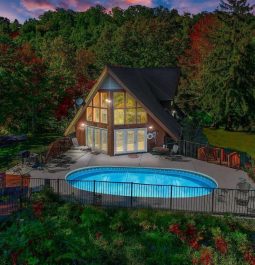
[(71, 128)]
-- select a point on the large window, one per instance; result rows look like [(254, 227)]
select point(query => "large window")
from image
[(97, 110), (127, 110)]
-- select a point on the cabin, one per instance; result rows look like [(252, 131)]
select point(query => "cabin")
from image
[(128, 110)]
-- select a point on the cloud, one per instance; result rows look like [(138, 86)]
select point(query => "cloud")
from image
[(190, 6), (82, 5), (32, 5)]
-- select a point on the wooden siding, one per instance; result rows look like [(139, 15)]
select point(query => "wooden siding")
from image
[(80, 131), (160, 134)]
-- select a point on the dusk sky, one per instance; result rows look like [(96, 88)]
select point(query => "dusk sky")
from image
[(24, 9)]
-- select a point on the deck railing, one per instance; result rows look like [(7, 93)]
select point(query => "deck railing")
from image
[(134, 195), (218, 155)]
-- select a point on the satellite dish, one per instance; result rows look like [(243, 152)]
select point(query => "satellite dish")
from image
[(79, 101)]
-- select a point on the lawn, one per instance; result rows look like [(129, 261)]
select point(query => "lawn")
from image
[(48, 231), (35, 144), (240, 141)]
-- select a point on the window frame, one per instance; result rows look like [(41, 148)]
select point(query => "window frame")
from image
[(136, 107), (99, 107)]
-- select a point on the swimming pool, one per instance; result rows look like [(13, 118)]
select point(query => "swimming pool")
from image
[(142, 182)]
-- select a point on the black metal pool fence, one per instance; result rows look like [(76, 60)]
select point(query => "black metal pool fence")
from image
[(214, 201)]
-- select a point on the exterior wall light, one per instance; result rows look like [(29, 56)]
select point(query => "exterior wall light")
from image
[(83, 125), (150, 127)]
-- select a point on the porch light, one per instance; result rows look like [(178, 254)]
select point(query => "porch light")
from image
[(82, 125), (108, 100), (151, 127)]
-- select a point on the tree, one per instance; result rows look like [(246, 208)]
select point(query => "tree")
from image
[(229, 71), (193, 59)]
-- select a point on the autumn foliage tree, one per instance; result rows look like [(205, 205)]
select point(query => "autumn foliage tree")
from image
[(193, 59)]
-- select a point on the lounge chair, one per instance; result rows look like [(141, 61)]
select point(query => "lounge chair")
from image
[(76, 145)]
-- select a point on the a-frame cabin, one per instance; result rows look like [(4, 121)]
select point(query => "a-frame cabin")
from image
[(127, 111)]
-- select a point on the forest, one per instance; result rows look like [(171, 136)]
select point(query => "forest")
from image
[(47, 63)]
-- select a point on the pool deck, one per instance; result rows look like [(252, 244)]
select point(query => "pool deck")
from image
[(225, 177)]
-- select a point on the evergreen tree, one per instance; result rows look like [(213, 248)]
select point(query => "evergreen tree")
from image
[(228, 76)]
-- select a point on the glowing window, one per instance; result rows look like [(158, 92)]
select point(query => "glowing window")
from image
[(130, 116), (96, 100), (141, 116), (130, 101), (96, 115), (103, 115), (118, 116), (104, 97), (89, 114), (118, 100), (104, 140)]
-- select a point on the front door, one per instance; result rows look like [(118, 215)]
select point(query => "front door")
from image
[(130, 141), (96, 138)]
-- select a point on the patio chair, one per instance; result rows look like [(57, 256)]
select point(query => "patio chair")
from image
[(243, 186), (174, 153)]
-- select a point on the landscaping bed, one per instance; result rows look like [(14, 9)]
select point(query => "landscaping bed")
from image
[(48, 231)]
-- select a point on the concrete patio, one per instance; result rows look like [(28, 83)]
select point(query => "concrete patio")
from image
[(225, 177)]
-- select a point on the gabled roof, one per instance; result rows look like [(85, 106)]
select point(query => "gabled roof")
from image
[(161, 82), (149, 86)]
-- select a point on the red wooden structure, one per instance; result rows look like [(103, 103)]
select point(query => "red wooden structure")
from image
[(16, 180), (219, 156)]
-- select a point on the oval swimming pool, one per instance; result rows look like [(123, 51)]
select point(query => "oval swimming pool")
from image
[(141, 182)]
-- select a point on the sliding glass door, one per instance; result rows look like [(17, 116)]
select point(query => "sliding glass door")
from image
[(96, 138), (130, 141)]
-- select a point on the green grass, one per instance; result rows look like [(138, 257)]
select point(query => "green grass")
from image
[(51, 232), (35, 144), (240, 141)]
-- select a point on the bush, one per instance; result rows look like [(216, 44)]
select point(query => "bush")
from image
[(51, 232)]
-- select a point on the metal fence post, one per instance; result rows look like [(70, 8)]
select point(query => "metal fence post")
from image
[(58, 187), (94, 192), (171, 198), (131, 195), (213, 200)]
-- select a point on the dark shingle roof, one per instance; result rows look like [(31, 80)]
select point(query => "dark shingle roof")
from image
[(150, 86)]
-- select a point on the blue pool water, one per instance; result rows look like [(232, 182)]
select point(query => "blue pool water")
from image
[(142, 182)]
